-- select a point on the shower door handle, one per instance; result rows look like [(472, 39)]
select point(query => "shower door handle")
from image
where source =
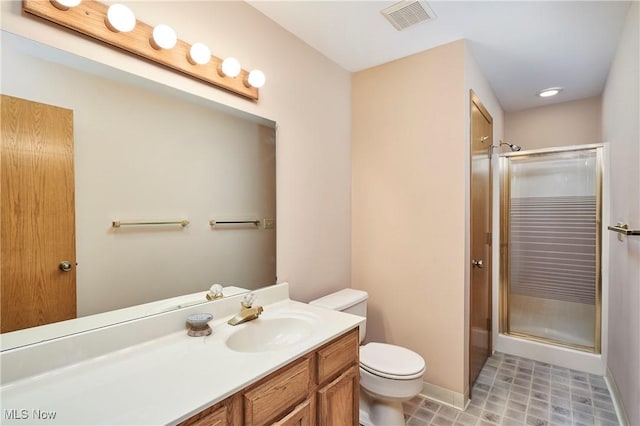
[(477, 263)]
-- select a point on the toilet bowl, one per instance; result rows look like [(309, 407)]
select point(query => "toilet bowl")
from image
[(389, 374)]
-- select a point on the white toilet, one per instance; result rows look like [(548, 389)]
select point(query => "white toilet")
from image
[(389, 374)]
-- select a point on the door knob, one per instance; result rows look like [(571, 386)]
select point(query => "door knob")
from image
[(65, 266), (477, 263)]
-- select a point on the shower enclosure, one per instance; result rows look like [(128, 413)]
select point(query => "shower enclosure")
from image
[(551, 243)]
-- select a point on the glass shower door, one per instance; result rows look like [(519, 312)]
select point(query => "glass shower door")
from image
[(551, 263)]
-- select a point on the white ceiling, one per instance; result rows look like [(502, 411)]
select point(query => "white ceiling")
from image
[(520, 46)]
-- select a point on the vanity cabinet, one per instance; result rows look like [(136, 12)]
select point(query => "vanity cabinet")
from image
[(320, 388)]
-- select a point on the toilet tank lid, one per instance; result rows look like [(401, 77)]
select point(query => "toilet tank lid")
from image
[(341, 299)]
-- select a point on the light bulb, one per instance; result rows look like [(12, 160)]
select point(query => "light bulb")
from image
[(65, 4), (230, 67), (199, 54), (256, 79), (120, 18), (164, 37)]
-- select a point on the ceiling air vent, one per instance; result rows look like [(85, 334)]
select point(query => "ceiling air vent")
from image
[(407, 13)]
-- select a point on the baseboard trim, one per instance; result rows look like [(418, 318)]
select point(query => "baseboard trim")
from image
[(617, 398), (445, 396)]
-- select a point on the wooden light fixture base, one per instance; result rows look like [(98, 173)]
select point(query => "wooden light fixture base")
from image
[(89, 18)]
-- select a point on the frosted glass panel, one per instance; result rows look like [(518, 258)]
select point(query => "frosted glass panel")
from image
[(553, 204)]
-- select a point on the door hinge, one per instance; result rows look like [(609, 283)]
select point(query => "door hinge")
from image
[(489, 324), (489, 238)]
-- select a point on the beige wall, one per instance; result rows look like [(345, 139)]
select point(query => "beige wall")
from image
[(306, 94), (408, 221), (620, 112), (568, 123)]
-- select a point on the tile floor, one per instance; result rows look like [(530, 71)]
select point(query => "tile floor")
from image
[(517, 391)]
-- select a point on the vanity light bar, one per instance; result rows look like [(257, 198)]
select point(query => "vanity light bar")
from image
[(89, 17)]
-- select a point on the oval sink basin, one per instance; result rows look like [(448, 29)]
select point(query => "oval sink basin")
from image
[(268, 334)]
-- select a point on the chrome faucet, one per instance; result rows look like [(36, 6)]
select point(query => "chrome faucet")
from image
[(247, 312)]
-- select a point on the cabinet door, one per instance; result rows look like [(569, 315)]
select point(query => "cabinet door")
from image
[(302, 415), (338, 401)]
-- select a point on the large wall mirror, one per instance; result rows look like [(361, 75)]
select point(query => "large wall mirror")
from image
[(148, 152)]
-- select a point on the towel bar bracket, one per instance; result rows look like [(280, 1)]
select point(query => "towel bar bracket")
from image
[(623, 228)]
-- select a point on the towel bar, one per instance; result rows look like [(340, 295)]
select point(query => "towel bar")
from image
[(233, 222), (118, 224)]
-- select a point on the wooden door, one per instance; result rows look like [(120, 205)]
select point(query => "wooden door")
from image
[(480, 292), (37, 229)]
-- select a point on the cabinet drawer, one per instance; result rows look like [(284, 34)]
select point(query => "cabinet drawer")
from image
[(218, 415), (338, 355), (215, 418), (278, 393)]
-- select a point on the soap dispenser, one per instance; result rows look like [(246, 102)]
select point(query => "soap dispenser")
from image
[(199, 325)]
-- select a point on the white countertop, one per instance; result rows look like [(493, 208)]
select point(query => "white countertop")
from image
[(162, 381)]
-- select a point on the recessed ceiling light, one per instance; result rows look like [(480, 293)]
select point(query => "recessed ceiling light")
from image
[(552, 91)]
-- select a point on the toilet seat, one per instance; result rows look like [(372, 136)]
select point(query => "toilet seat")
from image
[(391, 361)]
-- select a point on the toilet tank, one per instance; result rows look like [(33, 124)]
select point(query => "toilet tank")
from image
[(348, 300)]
